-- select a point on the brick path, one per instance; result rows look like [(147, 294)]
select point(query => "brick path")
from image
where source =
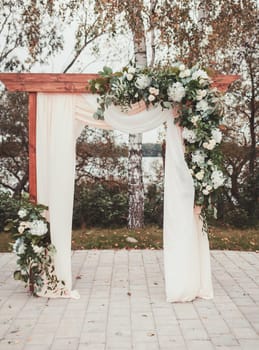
[(122, 306)]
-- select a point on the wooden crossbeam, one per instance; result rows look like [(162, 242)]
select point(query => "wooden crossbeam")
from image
[(61, 83), (47, 82)]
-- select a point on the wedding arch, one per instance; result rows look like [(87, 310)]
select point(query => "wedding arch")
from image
[(59, 108)]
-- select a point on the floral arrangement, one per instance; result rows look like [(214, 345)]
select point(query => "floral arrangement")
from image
[(199, 106), (34, 250)]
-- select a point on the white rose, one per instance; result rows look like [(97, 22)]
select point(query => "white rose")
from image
[(217, 135), (185, 73), (208, 187), (217, 178), (151, 98), (37, 249), (189, 135), (22, 213), (131, 70), (176, 92), (154, 91), (200, 175), (38, 228), (209, 145), (142, 81), (129, 76), (200, 94), (202, 106), (205, 192)]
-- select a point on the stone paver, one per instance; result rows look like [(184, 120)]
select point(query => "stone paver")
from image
[(123, 307)]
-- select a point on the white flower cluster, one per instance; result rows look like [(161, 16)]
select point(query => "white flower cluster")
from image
[(198, 117), (19, 246), (176, 92), (143, 81), (38, 228), (189, 135)]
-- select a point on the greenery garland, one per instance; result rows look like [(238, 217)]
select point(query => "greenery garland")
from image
[(33, 248), (200, 112)]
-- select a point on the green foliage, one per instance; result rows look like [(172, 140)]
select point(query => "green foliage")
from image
[(237, 217), (106, 205)]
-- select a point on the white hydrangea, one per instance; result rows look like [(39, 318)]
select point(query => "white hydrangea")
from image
[(202, 106), (176, 92), (189, 135), (217, 135), (200, 75), (143, 81), (21, 249), (22, 213), (19, 246), (198, 157), (217, 178), (38, 228)]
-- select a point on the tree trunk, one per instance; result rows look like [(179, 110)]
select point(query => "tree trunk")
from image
[(135, 173), (136, 186)]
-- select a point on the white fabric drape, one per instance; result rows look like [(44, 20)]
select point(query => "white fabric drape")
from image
[(60, 119)]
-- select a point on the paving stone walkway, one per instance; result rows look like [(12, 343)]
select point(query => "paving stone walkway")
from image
[(123, 307)]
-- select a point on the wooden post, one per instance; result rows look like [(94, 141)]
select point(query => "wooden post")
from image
[(32, 146)]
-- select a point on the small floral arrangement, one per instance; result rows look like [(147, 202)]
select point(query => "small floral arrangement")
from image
[(34, 250), (200, 111)]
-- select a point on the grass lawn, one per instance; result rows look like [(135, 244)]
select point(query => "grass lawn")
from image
[(151, 238)]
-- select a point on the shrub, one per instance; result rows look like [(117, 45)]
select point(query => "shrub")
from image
[(100, 204), (154, 201), (237, 217), (8, 208)]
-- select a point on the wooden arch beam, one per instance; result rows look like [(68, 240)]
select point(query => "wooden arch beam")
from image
[(61, 83)]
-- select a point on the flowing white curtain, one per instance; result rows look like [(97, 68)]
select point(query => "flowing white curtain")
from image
[(60, 119)]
